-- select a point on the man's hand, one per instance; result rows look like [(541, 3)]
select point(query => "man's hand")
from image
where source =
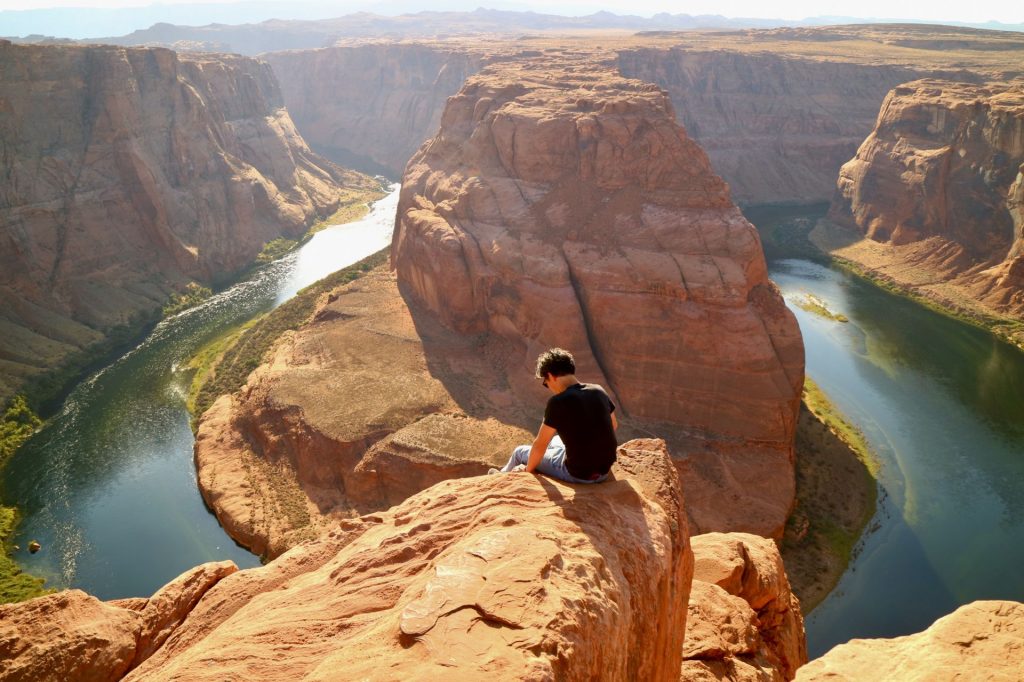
[(540, 444), (521, 467)]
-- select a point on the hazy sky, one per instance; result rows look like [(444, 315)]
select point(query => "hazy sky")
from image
[(1006, 11)]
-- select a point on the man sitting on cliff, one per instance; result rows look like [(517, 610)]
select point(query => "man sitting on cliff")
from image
[(576, 442)]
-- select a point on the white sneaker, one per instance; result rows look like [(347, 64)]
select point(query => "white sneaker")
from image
[(492, 470)]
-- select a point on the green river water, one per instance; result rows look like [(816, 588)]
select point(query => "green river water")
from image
[(942, 405)]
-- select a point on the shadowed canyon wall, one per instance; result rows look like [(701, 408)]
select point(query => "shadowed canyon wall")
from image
[(371, 106), (939, 182), (125, 174), (776, 128)]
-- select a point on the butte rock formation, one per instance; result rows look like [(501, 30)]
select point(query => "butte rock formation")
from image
[(560, 204), (127, 173), (937, 191)]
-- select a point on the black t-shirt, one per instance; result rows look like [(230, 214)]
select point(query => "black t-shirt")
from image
[(582, 415)]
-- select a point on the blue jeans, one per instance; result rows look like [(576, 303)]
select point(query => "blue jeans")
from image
[(552, 464)]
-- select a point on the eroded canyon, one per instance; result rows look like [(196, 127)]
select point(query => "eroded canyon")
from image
[(555, 200)]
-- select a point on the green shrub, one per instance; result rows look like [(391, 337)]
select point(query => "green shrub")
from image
[(17, 424), (275, 248), (194, 294)]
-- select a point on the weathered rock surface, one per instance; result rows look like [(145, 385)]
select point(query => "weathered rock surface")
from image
[(513, 577), (127, 173), (983, 640), (560, 204), (510, 577), (745, 622), (371, 105), (74, 636), (939, 183)]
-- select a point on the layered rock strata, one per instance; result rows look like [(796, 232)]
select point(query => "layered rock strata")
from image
[(126, 174), (981, 640), (936, 190), (776, 127), (509, 577), (371, 106), (561, 205)]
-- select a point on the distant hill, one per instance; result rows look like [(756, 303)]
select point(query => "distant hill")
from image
[(275, 26)]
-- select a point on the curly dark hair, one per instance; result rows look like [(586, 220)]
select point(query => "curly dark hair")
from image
[(557, 361)]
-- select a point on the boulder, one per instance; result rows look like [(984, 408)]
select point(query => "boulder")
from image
[(980, 640), (71, 636), (745, 622)]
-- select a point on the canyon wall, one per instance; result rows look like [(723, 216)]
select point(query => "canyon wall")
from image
[(127, 173), (371, 106), (936, 189), (776, 127), (560, 204)]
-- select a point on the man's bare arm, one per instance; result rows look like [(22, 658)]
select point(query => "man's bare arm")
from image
[(540, 444)]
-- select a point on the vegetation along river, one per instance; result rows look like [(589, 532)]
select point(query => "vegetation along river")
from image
[(941, 403), (108, 486)]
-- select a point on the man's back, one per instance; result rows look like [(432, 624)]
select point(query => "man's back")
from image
[(582, 415)]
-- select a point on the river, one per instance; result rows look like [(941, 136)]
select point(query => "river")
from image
[(942, 405), (108, 486)]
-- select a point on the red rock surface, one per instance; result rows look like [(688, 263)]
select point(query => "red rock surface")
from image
[(939, 182), (73, 636), (370, 402), (983, 640), (743, 613), (508, 577), (127, 173), (560, 204)]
